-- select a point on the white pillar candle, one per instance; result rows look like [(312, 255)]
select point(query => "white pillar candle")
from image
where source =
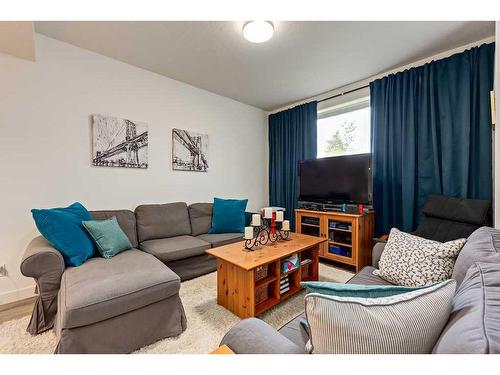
[(248, 233), (256, 220), (279, 216), (285, 225), (268, 212)]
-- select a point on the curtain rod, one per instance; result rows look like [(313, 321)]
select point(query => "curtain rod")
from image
[(344, 93)]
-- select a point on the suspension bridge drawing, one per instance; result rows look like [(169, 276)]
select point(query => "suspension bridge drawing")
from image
[(119, 142), (189, 151)]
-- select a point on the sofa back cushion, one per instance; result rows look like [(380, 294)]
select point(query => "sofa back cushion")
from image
[(474, 324), (228, 216), (109, 238), (415, 261), (482, 246), (63, 228), (200, 215), (126, 221), (407, 323), (162, 221)]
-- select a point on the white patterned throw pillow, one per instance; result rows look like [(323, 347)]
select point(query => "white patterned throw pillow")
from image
[(415, 261), (408, 323)]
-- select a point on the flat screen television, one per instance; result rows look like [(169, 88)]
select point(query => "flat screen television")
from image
[(336, 180)]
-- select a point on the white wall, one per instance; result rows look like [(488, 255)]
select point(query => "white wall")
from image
[(45, 144)]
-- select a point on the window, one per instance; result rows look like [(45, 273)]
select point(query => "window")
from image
[(344, 128)]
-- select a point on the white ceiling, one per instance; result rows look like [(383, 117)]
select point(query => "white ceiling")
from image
[(303, 59)]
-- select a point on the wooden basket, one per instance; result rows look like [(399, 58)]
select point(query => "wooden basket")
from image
[(261, 272), (261, 294)]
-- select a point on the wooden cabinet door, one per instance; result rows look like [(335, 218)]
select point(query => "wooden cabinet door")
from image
[(313, 224), (344, 240), (323, 250)]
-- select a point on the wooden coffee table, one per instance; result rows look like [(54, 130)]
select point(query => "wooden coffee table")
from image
[(238, 267)]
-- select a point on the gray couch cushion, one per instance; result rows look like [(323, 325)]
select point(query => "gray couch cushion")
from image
[(220, 239), (482, 246), (162, 221), (175, 248), (366, 277), (377, 251), (189, 268), (103, 288), (474, 324), (126, 221), (200, 215)]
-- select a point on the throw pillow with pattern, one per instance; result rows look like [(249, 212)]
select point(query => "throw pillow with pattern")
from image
[(415, 261)]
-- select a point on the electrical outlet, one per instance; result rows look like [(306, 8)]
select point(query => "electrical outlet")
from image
[(3, 270)]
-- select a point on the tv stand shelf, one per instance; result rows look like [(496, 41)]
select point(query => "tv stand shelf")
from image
[(350, 236)]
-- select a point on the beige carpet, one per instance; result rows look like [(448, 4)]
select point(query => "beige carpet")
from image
[(207, 322)]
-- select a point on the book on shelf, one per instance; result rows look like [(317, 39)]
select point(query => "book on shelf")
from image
[(284, 280), (305, 261), (284, 286), (283, 291), (290, 263)]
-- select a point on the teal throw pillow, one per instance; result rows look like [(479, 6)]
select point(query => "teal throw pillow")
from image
[(354, 290), (108, 236), (63, 228), (228, 215)]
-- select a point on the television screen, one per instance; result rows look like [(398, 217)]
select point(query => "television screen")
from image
[(338, 179)]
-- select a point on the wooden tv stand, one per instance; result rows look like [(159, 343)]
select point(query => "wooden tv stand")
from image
[(350, 236)]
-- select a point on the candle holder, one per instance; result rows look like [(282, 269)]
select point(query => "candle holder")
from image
[(266, 232)]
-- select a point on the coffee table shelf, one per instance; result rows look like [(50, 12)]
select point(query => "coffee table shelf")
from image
[(293, 290), (266, 305), (265, 281), (236, 267)]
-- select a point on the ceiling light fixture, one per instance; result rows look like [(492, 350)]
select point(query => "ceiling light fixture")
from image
[(258, 31)]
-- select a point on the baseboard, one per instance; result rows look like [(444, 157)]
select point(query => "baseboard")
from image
[(17, 295), (13, 305)]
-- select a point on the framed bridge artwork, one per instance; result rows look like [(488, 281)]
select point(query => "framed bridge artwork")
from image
[(119, 142), (189, 151)]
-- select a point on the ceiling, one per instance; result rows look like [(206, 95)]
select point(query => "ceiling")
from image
[(303, 59)]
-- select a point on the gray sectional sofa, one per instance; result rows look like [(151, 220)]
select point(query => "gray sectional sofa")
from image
[(473, 327), (120, 304)]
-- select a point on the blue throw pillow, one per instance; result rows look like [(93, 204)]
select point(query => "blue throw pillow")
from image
[(63, 228), (355, 290), (108, 236), (228, 216)]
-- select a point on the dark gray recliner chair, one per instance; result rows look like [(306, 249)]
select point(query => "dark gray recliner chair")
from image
[(449, 218)]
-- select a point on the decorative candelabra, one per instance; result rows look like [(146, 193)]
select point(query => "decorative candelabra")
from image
[(265, 228)]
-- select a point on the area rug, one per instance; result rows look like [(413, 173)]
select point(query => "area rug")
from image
[(207, 322)]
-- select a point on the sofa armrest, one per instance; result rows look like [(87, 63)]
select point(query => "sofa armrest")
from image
[(377, 253), (253, 336), (46, 265)]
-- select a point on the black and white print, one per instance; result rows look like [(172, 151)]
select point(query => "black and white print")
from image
[(119, 142), (189, 151), (415, 261)]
